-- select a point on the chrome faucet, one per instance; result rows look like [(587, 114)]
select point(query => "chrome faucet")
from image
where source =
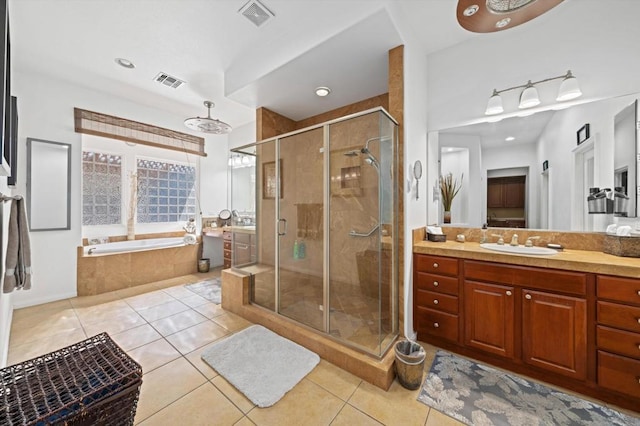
[(529, 242), (500, 239), (514, 240)]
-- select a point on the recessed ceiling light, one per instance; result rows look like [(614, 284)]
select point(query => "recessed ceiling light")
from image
[(503, 23), (322, 91), (125, 63), (471, 10), (509, 138)]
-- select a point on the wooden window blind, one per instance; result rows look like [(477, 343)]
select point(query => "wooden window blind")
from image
[(95, 123)]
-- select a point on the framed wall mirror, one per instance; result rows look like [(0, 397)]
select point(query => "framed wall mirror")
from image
[(48, 185)]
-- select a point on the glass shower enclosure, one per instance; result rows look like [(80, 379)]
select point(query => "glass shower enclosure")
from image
[(323, 240)]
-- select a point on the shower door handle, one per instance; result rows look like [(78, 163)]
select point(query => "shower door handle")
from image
[(284, 231), (353, 233)]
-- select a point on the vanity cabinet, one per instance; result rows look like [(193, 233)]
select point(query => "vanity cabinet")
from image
[(226, 247), (618, 334), (436, 291)]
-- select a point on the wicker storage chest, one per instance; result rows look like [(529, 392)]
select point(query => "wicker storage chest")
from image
[(92, 382)]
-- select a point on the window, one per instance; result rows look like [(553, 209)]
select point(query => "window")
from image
[(101, 188), (166, 191)]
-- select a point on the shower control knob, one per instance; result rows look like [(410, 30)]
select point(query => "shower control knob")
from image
[(436, 283), (436, 325), (435, 301), (527, 296), (435, 265)]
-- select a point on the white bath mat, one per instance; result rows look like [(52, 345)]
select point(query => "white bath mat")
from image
[(261, 364), (209, 289)]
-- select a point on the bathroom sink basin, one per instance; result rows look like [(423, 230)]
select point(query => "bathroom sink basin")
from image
[(506, 248)]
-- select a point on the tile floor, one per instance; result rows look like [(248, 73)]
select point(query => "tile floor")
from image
[(165, 327)]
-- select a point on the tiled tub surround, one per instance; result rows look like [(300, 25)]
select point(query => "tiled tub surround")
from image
[(570, 318), (100, 273)]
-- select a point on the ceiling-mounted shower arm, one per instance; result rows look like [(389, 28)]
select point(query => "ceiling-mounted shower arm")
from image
[(353, 233)]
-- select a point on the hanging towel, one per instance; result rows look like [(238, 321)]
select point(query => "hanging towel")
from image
[(18, 260)]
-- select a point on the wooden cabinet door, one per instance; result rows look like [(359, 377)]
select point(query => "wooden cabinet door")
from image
[(514, 192), (489, 317), (494, 193), (554, 333)]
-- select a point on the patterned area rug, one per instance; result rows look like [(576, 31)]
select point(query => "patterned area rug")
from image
[(261, 364), (209, 289), (479, 395)]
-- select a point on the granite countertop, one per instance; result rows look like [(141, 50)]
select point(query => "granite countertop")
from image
[(570, 260), (241, 229)]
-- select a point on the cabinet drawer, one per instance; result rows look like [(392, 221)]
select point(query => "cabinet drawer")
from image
[(436, 323), (226, 235), (226, 245), (437, 265), (618, 341), (227, 264), (437, 301), (619, 373), (437, 283), (625, 290), (620, 316)]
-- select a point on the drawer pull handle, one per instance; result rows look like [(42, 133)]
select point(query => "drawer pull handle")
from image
[(435, 301), (527, 296), (436, 325), (436, 283), (509, 293), (435, 265)]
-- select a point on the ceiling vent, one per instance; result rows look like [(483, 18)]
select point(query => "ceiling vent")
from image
[(168, 80), (256, 12)]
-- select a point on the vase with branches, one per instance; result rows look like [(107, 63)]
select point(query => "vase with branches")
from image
[(449, 188)]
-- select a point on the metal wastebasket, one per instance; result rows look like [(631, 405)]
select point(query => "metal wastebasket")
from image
[(203, 265), (409, 363)]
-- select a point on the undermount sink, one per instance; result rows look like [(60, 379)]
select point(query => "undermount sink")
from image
[(506, 248)]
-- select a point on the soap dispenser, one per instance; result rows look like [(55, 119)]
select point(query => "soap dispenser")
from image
[(296, 250), (483, 232)]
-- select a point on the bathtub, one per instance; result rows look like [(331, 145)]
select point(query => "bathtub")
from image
[(125, 246), (116, 266)]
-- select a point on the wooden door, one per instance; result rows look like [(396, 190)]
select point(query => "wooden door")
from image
[(554, 333), (489, 317), (514, 192)]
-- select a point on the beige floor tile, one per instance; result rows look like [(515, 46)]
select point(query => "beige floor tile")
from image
[(194, 300), (177, 322), (204, 406), (136, 337), (349, 416), (58, 305), (398, 406), (195, 337), (136, 290), (115, 324), (195, 358), (149, 300), (98, 299), (210, 310), (104, 312), (43, 325), (244, 422), (179, 292), (43, 346), (305, 404), (334, 379), (163, 310), (165, 385), (234, 395), (436, 418), (154, 355), (231, 321)]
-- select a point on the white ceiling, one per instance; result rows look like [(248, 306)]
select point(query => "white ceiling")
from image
[(221, 55)]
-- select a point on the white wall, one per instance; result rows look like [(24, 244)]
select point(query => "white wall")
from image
[(45, 110), (6, 300), (457, 163)]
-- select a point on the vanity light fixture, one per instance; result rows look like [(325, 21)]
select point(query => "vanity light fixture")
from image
[(322, 91), (529, 98)]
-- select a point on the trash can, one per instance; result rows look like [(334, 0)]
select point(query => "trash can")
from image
[(203, 265), (409, 364)]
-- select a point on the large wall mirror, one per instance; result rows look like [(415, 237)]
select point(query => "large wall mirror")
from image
[(548, 173), (48, 185)]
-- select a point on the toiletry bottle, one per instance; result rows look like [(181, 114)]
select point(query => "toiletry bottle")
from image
[(296, 250), (302, 249), (483, 231)]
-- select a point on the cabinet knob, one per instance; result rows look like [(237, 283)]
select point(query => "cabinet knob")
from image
[(435, 265), (436, 325), (436, 283), (435, 301), (638, 292), (509, 293), (527, 296)]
